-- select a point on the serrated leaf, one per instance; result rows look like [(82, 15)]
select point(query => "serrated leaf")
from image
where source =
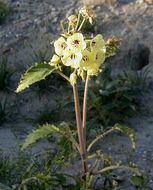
[(34, 74), (42, 132), (128, 131)]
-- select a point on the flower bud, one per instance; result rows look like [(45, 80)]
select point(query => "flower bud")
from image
[(55, 60), (112, 46), (72, 20), (73, 78)]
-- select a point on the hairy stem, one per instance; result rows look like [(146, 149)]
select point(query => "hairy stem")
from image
[(63, 75), (80, 130), (135, 170), (99, 137), (85, 113)]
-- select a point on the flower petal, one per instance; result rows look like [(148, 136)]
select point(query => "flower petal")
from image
[(87, 60), (98, 43), (99, 56), (60, 45), (76, 42), (72, 59)]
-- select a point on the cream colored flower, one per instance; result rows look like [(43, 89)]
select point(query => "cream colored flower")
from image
[(87, 60), (76, 42), (92, 60), (72, 59), (99, 58), (60, 45), (98, 43), (88, 63)]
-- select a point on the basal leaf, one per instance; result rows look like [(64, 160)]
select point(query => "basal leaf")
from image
[(42, 132), (34, 74), (128, 131)]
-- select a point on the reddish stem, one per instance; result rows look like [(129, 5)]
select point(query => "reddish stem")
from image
[(85, 103), (80, 130)]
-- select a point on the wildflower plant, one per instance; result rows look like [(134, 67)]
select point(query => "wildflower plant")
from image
[(84, 56)]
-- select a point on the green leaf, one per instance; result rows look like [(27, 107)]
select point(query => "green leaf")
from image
[(138, 181), (42, 132), (34, 74), (128, 131), (44, 178)]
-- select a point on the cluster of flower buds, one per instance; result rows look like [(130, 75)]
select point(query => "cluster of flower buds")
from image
[(73, 49), (88, 13), (112, 46)]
